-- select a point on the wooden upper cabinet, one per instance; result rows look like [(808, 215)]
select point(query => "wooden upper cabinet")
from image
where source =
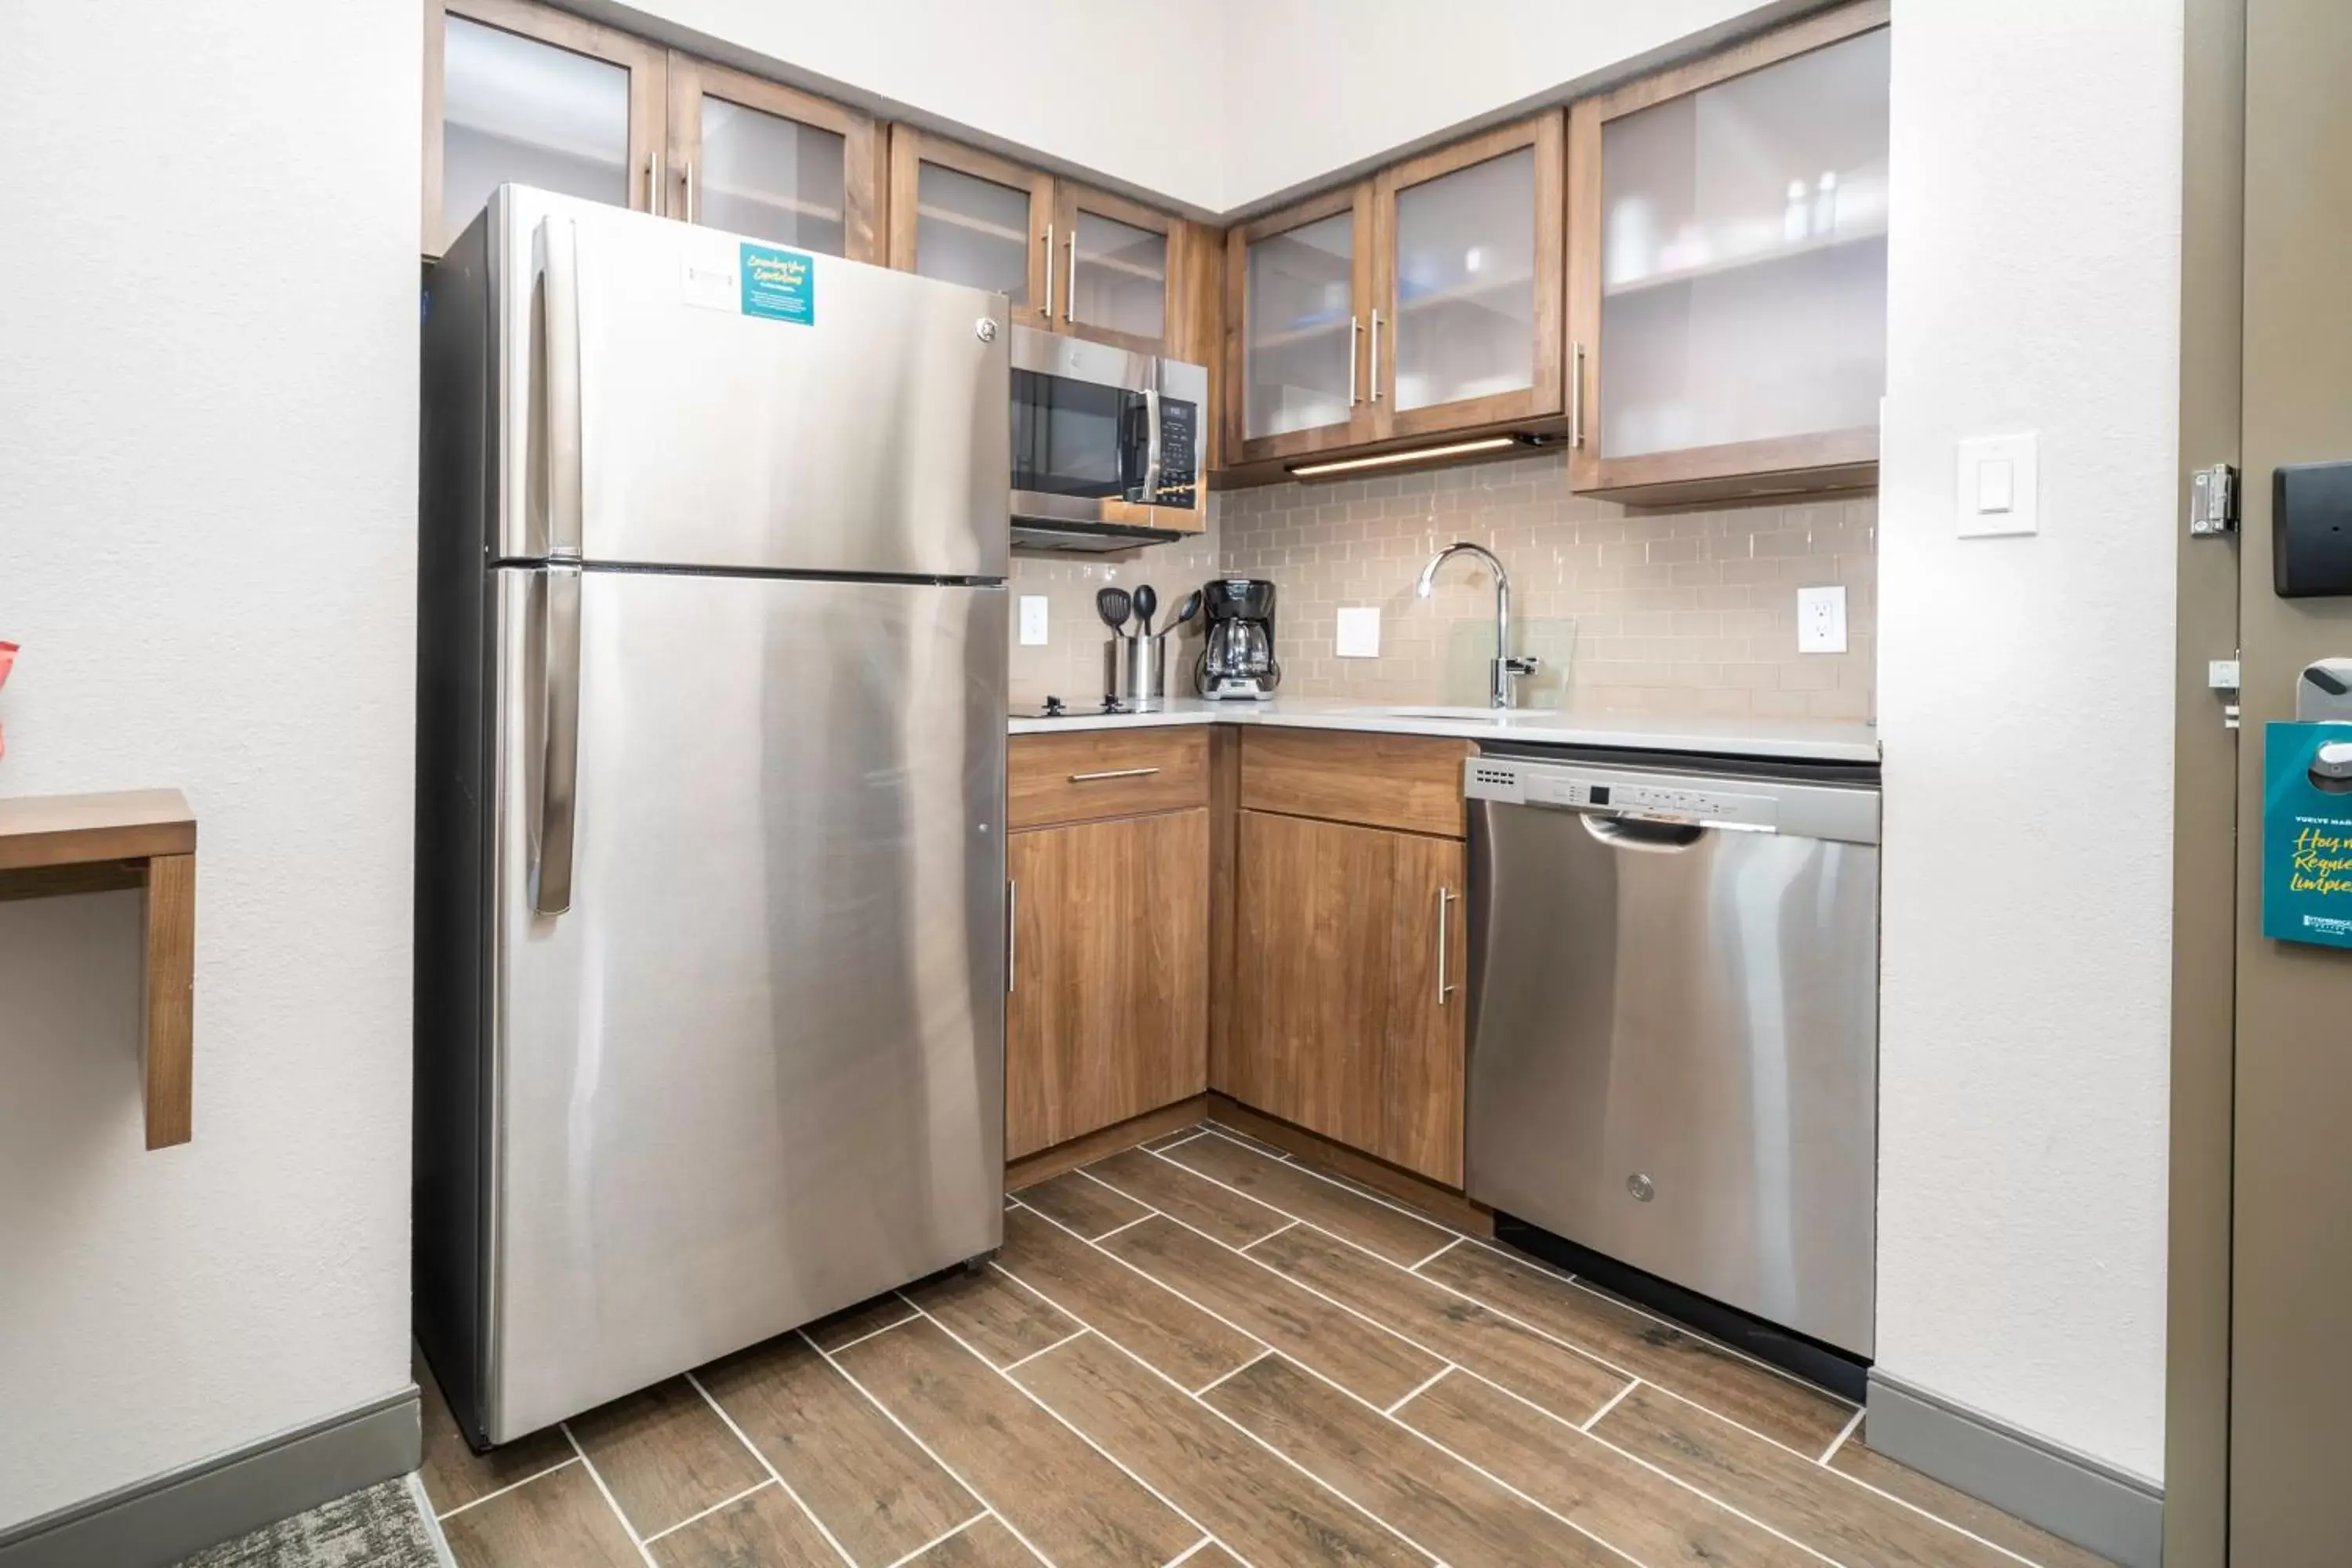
[(1471, 282), (1120, 268), (515, 91), (1727, 268), (1426, 299), (758, 158), (523, 93), (1300, 290), (971, 217)]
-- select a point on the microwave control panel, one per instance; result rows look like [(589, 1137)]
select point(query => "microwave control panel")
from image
[(1179, 447)]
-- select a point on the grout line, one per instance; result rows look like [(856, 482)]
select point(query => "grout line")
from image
[(928, 1452), (510, 1486), (1217, 1413), (1839, 1441), (941, 1539), (422, 1501), (1234, 1372), (1423, 1387), (610, 1501), (775, 1474), (1510, 1393), (893, 1323), (1288, 1225), (1114, 1230), (1057, 1344), (1070, 1426), (706, 1513), (1433, 1256), (1201, 1130), (1369, 1193), (1189, 1552), (1589, 1422), (1247, 1141), (1351, 1394)]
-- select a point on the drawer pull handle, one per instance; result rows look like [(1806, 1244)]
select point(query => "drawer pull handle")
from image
[(1444, 906), (1113, 774)]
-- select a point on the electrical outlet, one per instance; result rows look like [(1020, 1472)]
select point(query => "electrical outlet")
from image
[(1359, 632), (1032, 620), (1820, 620)]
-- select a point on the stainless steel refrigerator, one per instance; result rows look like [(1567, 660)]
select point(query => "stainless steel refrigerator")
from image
[(710, 946)]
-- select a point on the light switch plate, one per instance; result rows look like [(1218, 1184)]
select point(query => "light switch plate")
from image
[(1032, 620), (1359, 632), (1820, 620), (1995, 491)]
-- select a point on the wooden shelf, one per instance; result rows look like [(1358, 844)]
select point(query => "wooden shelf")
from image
[(1741, 262), (58, 844)]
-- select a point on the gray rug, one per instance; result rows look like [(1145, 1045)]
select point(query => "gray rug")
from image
[(378, 1527)]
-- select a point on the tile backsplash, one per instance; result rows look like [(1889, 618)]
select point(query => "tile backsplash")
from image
[(1664, 611)]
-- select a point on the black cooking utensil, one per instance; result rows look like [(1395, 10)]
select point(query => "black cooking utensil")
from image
[(1146, 602), (1114, 607)]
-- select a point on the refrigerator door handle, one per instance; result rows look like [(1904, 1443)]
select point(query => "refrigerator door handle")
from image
[(559, 246), (559, 761)]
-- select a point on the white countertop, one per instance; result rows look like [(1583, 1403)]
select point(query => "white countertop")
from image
[(1789, 739)]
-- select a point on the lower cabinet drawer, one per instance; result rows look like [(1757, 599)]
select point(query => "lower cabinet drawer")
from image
[(1089, 775), (1409, 783)]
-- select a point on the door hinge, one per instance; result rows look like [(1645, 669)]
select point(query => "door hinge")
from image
[(2213, 501)]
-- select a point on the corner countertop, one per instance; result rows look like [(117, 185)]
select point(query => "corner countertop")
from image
[(1784, 739)]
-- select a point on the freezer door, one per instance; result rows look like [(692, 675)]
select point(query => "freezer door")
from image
[(754, 1072), (679, 395)]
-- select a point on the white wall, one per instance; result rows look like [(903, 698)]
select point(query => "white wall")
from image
[(1312, 87), (207, 513), (1060, 78), (2025, 698)]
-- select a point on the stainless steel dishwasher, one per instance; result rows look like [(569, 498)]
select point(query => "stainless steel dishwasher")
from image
[(1673, 1056)]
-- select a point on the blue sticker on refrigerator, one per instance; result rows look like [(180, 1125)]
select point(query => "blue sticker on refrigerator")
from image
[(2307, 834), (780, 284)]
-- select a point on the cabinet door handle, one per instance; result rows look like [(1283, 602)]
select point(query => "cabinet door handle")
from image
[(686, 178), (1444, 906), (1575, 394), (1011, 935), (1049, 274), (654, 185), (1355, 334), (1070, 294), (1376, 356), (1113, 774)]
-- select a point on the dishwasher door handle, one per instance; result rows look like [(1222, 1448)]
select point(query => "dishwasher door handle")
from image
[(1444, 907), (1634, 834)]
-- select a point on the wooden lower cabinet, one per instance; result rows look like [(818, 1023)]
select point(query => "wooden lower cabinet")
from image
[(1109, 1013), (1338, 1023)]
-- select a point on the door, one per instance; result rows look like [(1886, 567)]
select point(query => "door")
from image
[(730, 403), (1349, 1008), (759, 159), (752, 1071), (2290, 1378), (1120, 265), (1727, 317), (1302, 286), (970, 218), (1471, 275), (518, 93), (1109, 1014)]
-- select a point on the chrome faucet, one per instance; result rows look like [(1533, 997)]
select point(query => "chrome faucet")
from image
[(1503, 668)]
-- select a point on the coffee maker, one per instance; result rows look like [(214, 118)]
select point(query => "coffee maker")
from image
[(1237, 658)]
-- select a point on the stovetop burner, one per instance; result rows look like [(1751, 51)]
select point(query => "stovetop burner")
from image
[(1056, 708)]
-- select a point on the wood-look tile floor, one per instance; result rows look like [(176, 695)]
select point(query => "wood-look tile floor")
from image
[(1204, 1351)]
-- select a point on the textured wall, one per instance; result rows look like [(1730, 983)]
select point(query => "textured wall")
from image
[(1070, 665), (1654, 612), (207, 546), (2026, 698)]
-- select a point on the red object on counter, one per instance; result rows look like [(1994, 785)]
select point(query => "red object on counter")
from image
[(7, 662)]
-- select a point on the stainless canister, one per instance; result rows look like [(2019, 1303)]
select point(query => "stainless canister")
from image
[(1135, 669)]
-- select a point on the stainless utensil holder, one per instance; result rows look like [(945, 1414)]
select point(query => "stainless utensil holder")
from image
[(1135, 669)]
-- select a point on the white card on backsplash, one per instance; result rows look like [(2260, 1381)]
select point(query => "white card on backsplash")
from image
[(1359, 632)]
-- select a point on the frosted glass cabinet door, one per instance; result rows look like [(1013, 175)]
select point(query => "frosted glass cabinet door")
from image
[(971, 217), (1115, 262), (1472, 323), (534, 96), (1731, 279), (1305, 281), (760, 159)]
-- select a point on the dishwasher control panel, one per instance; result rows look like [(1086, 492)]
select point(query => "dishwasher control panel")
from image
[(1642, 796)]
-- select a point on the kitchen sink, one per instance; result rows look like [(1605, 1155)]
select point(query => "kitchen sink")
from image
[(1476, 715)]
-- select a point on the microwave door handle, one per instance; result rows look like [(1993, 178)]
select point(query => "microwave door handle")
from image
[(1151, 440)]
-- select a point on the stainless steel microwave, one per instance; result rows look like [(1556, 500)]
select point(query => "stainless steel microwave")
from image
[(1105, 445)]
